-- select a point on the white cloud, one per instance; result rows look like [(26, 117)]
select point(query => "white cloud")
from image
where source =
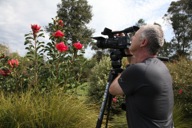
[(122, 13), (17, 16)]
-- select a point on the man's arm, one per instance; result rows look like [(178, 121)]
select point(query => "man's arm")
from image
[(115, 88)]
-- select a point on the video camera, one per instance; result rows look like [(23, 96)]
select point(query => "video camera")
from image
[(116, 42)]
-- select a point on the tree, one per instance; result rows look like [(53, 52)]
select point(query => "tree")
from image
[(75, 15), (140, 22), (179, 15)]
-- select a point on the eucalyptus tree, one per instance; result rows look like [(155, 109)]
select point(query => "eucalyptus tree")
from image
[(179, 15)]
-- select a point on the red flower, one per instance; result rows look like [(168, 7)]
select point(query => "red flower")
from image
[(4, 72), (114, 100), (180, 91), (58, 33), (61, 47), (60, 22), (13, 63), (78, 45), (36, 28)]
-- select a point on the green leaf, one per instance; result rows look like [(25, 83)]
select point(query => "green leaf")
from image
[(42, 50), (27, 48), (30, 52), (39, 47), (26, 34), (41, 42), (41, 34), (29, 37), (27, 42)]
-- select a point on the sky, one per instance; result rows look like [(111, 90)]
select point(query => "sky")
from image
[(17, 16)]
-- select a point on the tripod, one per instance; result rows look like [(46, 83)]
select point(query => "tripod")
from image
[(107, 98)]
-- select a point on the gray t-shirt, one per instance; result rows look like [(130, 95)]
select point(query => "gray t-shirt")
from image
[(149, 94)]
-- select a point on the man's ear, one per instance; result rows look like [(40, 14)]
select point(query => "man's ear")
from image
[(144, 43)]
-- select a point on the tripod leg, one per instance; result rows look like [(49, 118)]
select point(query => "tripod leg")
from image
[(108, 109), (107, 98), (103, 106)]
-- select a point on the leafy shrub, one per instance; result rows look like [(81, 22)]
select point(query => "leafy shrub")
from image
[(98, 80), (13, 76), (51, 110), (181, 72)]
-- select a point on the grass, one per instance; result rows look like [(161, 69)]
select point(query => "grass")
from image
[(58, 110), (52, 110), (179, 118)]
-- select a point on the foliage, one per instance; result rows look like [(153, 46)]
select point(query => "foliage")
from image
[(167, 50), (98, 80), (119, 121), (140, 22), (181, 72), (58, 61), (180, 121), (99, 77), (35, 53), (179, 16), (63, 58), (12, 74), (51, 110)]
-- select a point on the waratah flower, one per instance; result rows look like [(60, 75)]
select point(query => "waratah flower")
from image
[(4, 72), (58, 33), (36, 28), (180, 91), (13, 63), (60, 22), (78, 45), (61, 47), (114, 100)]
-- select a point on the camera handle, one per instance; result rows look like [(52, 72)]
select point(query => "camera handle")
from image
[(107, 98)]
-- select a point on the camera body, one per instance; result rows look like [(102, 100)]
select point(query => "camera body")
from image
[(113, 43), (116, 43)]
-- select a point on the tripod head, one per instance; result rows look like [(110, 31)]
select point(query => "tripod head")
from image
[(116, 60)]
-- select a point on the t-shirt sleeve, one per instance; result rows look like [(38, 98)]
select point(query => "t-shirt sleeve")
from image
[(128, 79)]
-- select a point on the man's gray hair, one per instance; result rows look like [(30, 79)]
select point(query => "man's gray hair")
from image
[(154, 35)]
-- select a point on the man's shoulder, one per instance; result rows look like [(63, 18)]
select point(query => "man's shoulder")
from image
[(137, 68)]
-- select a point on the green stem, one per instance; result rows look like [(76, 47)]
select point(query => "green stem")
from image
[(36, 62)]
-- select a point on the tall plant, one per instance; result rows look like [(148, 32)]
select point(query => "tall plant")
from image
[(35, 52), (61, 55), (60, 66)]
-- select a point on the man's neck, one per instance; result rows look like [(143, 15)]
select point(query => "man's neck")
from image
[(141, 56)]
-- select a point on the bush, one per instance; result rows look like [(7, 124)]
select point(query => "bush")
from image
[(182, 83), (98, 80), (16, 78), (50, 110)]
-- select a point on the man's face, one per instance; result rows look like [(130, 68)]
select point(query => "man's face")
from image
[(135, 41)]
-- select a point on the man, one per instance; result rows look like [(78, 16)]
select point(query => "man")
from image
[(146, 83)]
